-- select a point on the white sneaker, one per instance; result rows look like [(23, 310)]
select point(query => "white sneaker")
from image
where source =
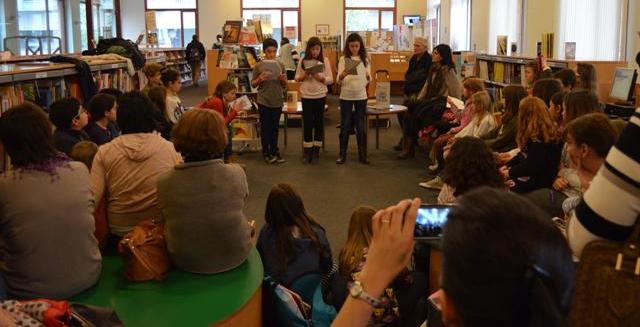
[(434, 184)]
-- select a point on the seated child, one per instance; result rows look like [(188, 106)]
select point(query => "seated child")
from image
[(103, 110), (69, 118)]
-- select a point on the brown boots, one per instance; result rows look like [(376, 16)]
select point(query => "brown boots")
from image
[(408, 148)]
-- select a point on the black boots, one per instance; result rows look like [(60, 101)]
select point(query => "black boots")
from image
[(307, 154)]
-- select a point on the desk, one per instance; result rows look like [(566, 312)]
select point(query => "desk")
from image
[(286, 111), (392, 110)]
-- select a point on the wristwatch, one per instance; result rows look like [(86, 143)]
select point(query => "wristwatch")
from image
[(356, 290)]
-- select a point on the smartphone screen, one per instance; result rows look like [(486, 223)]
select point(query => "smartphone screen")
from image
[(430, 220)]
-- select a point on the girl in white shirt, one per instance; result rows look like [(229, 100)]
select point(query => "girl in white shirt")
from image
[(173, 84), (483, 120), (354, 72), (313, 90)]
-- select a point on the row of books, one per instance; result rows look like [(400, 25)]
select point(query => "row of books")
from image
[(499, 72), (234, 57), (45, 92)]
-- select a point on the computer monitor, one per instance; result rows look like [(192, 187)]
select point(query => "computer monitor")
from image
[(410, 19), (624, 84)]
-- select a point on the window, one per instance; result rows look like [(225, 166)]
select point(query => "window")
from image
[(176, 21), (104, 19), (369, 15), (505, 18), (279, 18), (460, 23), (594, 25), (41, 18)]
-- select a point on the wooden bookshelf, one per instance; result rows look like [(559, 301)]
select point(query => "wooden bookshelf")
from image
[(500, 71), (396, 63), (175, 58)]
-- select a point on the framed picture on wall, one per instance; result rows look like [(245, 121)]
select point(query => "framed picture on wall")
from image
[(322, 29)]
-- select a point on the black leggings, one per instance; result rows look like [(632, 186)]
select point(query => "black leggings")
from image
[(423, 113), (313, 121)]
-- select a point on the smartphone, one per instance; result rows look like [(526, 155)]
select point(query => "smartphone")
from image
[(538, 48), (429, 221)]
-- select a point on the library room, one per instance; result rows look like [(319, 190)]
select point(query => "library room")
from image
[(397, 163)]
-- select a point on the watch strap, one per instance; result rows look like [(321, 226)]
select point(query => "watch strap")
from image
[(366, 296)]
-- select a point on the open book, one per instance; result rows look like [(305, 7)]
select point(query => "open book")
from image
[(313, 66), (350, 66), (272, 67), (241, 104)]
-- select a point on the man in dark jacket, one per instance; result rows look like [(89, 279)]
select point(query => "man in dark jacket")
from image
[(416, 75), (195, 56)]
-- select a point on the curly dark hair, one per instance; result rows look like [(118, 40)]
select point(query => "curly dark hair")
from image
[(471, 164)]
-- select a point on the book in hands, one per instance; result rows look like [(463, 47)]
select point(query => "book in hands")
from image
[(350, 66), (272, 68), (313, 66), (241, 104)]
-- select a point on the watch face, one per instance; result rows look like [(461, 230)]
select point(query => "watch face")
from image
[(355, 290)]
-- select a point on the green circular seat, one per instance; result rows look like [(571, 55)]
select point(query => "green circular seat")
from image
[(183, 299)]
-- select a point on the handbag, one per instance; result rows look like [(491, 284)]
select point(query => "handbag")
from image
[(144, 252), (608, 284)]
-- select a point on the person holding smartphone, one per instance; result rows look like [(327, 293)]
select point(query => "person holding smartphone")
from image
[(521, 275)]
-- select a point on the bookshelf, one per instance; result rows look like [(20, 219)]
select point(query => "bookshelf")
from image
[(175, 58), (45, 82), (500, 71), (238, 70)]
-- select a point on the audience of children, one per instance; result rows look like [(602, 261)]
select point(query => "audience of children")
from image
[(503, 137), (126, 169), (545, 88), (270, 79), (172, 83), (69, 117), (153, 72), (354, 73), (220, 101), (103, 110), (536, 165), (400, 297), (201, 200), (291, 243), (470, 164), (482, 122), (47, 245), (158, 96)]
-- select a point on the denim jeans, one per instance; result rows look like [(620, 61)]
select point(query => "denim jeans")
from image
[(269, 123), (313, 120), (352, 113)]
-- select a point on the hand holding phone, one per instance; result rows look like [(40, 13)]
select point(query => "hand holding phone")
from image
[(430, 220)]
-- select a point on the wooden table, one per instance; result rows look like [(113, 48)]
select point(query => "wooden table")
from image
[(392, 110)]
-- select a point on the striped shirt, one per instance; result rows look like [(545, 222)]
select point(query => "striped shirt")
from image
[(611, 205)]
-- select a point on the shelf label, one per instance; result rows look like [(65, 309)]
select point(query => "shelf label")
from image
[(41, 75)]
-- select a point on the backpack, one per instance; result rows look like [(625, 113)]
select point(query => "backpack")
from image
[(125, 48), (608, 284)]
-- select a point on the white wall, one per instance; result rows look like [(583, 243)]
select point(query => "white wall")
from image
[(212, 14), (132, 18)]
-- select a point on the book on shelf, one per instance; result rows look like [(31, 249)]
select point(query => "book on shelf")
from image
[(569, 50), (313, 66), (231, 31), (248, 35), (498, 72), (502, 45), (483, 69), (228, 59), (547, 44)]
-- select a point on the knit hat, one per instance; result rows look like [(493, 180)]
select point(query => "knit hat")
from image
[(62, 112)]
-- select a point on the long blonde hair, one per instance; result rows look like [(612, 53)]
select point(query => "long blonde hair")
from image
[(360, 234), (481, 100), (534, 122)]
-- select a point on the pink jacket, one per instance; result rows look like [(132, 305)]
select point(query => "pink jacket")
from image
[(465, 118), (125, 171)]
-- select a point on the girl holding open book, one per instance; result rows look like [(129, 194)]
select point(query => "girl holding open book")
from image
[(354, 72), (222, 102), (314, 73)]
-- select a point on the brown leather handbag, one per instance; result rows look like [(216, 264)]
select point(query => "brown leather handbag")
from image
[(144, 252), (608, 284)]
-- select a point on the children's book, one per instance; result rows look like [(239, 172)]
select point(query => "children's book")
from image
[(241, 104), (313, 66), (273, 68), (350, 66)]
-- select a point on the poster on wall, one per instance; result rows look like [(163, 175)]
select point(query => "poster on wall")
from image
[(150, 20), (291, 32)]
